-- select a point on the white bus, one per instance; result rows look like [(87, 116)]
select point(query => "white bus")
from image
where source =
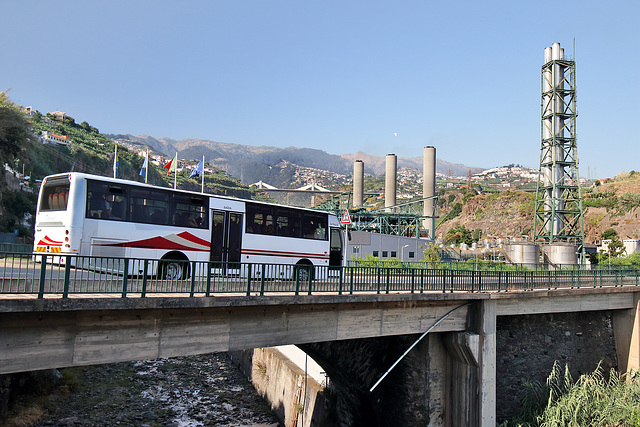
[(95, 216)]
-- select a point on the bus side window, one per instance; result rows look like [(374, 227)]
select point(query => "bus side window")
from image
[(159, 216)]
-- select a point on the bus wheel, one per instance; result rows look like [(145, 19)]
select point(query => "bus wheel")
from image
[(174, 269), (304, 271)]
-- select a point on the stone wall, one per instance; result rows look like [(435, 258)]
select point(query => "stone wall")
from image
[(528, 345), (297, 399)]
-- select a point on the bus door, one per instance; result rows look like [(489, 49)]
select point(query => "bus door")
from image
[(336, 246), (226, 240)]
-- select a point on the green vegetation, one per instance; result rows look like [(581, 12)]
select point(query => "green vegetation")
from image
[(459, 234), (89, 152), (592, 400)]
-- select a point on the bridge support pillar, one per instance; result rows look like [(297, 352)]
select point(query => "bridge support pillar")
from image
[(626, 327), (471, 393)]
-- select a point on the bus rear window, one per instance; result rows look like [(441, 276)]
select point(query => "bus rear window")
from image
[(55, 195)]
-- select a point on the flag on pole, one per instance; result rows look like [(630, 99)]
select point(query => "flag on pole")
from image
[(145, 167), (116, 163), (197, 171), (171, 166)]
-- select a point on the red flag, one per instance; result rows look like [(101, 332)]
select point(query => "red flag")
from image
[(168, 166)]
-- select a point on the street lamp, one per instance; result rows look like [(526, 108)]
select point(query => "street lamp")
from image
[(402, 253)]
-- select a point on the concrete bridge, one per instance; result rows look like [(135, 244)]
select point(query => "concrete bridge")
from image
[(457, 369)]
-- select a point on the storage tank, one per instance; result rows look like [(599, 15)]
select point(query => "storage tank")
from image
[(631, 246), (523, 253), (358, 183), (561, 254)]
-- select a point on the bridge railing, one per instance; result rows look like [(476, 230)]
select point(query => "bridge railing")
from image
[(66, 275)]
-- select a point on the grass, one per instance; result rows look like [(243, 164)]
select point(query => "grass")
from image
[(592, 400)]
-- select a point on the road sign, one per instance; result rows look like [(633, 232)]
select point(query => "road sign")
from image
[(346, 219)]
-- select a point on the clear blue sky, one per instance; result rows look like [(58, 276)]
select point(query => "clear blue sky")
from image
[(341, 76)]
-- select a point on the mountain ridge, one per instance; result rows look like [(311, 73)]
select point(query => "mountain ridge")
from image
[(255, 163)]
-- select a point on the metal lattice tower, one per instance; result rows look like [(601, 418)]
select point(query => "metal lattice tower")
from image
[(558, 209)]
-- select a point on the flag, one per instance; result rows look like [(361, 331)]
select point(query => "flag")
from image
[(197, 170), (116, 163), (171, 166), (143, 171)]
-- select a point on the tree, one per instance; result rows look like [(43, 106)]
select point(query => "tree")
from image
[(459, 234), (615, 248), (609, 233), (432, 253), (15, 129)]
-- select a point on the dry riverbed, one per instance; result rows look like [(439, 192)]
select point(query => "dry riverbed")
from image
[(203, 390)]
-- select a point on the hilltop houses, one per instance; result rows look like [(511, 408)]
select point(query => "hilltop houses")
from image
[(52, 138)]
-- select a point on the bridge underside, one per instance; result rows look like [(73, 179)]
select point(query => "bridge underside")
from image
[(52, 333)]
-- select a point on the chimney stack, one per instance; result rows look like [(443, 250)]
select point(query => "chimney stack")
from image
[(358, 183), (390, 180)]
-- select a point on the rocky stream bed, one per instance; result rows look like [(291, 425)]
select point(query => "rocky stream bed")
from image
[(205, 390)]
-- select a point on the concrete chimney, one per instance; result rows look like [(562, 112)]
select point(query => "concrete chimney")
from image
[(429, 186), (390, 180), (358, 183)]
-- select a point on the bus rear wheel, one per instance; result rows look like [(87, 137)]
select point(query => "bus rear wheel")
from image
[(304, 271), (174, 269)]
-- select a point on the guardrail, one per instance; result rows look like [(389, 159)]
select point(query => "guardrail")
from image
[(66, 275)]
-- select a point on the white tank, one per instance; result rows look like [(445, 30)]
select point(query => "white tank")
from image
[(561, 254), (631, 246), (523, 253)]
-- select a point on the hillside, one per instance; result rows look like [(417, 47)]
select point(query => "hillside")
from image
[(613, 204)]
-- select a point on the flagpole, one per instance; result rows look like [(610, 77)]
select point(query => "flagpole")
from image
[(146, 174), (115, 161), (175, 172), (202, 174)]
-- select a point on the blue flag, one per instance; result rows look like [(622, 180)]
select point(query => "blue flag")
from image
[(143, 171), (116, 163), (197, 170)]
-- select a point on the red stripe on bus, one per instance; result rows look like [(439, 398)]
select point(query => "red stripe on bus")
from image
[(283, 253), (195, 239), (156, 243)]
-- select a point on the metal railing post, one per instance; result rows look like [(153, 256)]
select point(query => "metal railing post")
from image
[(387, 280), (67, 274), (262, 279), (43, 275), (125, 277), (351, 281), (473, 280), (208, 287), (249, 280), (340, 279), (145, 269), (413, 279), (193, 279)]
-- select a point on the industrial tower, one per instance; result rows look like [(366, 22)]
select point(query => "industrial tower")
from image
[(558, 209)]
